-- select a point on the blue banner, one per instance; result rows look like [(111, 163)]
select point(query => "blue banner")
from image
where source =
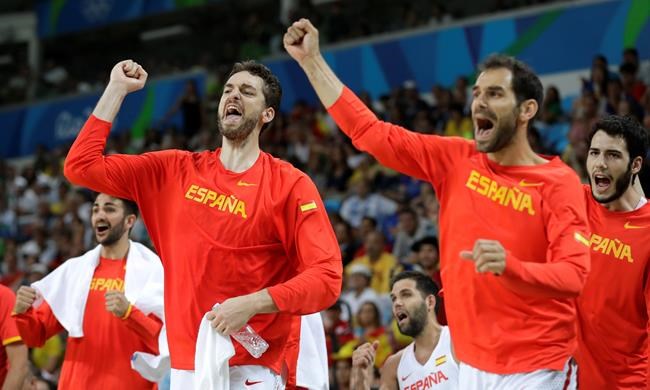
[(65, 16), (553, 40), (56, 123)]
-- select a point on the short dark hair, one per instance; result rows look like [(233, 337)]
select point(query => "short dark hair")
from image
[(628, 68), (627, 128), (423, 283), (633, 51), (272, 89), (525, 83), (130, 207)]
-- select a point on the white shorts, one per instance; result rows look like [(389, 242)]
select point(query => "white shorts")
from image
[(470, 378), (241, 377)]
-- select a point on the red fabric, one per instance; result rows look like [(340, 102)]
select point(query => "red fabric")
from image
[(8, 331), (613, 308), (523, 320), (222, 234), (101, 359)]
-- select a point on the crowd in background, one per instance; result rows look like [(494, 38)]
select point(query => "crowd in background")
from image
[(384, 221), (242, 30)]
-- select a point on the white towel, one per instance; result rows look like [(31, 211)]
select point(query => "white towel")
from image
[(66, 291), (311, 371), (66, 288), (213, 351)]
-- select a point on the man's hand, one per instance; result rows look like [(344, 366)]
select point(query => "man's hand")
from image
[(364, 356), (301, 40), (232, 315), (116, 303), (128, 76), (25, 297), (488, 256)]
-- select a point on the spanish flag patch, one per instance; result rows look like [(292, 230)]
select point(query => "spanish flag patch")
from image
[(441, 360), (581, 239), (308, 206)]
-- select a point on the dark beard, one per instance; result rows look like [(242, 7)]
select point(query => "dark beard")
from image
[(241, 133), (620, 186), (417, 322), (503, 135), (114, 235)]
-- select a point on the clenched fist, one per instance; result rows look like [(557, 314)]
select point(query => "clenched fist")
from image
[(25, 297), (116, 303), (128, 76), (301, 40)]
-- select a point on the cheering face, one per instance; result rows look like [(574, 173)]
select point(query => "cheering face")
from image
[(609, 167), (494, 110), (109, 220), (409, 308), (241, 106)]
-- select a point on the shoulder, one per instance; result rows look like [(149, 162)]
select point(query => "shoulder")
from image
[(392, 363)]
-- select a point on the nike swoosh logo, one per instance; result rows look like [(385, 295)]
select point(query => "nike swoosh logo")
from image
[(524, 183), (630, 226), (250, 383), (245, 184), (406, 377)]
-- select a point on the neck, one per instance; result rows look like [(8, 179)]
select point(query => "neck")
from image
[(518, 151), (626, 202), (238, 156), (428, 338), (116, 251)]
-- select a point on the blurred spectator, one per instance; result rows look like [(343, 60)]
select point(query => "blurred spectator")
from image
[(411, 228), (346, 240), (358, 288), (631, 55), (337, 330), (427, 253), (366, 204), (552, 111), (369, 329), (191, 108), (377, 259), (458, 124), (632, 86)]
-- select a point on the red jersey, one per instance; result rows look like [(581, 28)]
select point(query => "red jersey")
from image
[(613, 308), (523, 320), (222, 234), (8, 331), (101, 359)]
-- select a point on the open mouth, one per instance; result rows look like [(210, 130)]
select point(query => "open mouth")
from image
[(233, 113), (484, 127), (401, 317), (101, 228), (602, 182)]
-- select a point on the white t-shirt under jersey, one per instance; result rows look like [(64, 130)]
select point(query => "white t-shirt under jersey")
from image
[(438, 373)]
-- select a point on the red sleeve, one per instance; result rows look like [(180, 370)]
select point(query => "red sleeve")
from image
[(36, 326), (8, 331), (646, 293), (309, 240), (147, 327), (423, 156), (118, 174), (565, 270)]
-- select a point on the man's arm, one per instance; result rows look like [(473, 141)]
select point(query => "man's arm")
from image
[(18, 366), (422, 156), (567, 263), (388, 371), (119, 175), (146, 327), (363, 363)]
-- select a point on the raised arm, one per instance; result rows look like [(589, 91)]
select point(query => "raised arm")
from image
[(423, 156), (118, 175)]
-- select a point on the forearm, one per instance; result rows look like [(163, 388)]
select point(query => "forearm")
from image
[(18, 368), (327, 85), (313, 290), (263, 302), (110, 102), (550, 280), (146, 327)]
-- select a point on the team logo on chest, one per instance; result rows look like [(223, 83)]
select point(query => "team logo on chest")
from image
[(228, 204), (506, 196)]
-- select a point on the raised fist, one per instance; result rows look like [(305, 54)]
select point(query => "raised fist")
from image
[(128, 75), (301, 40), (25, 297)]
